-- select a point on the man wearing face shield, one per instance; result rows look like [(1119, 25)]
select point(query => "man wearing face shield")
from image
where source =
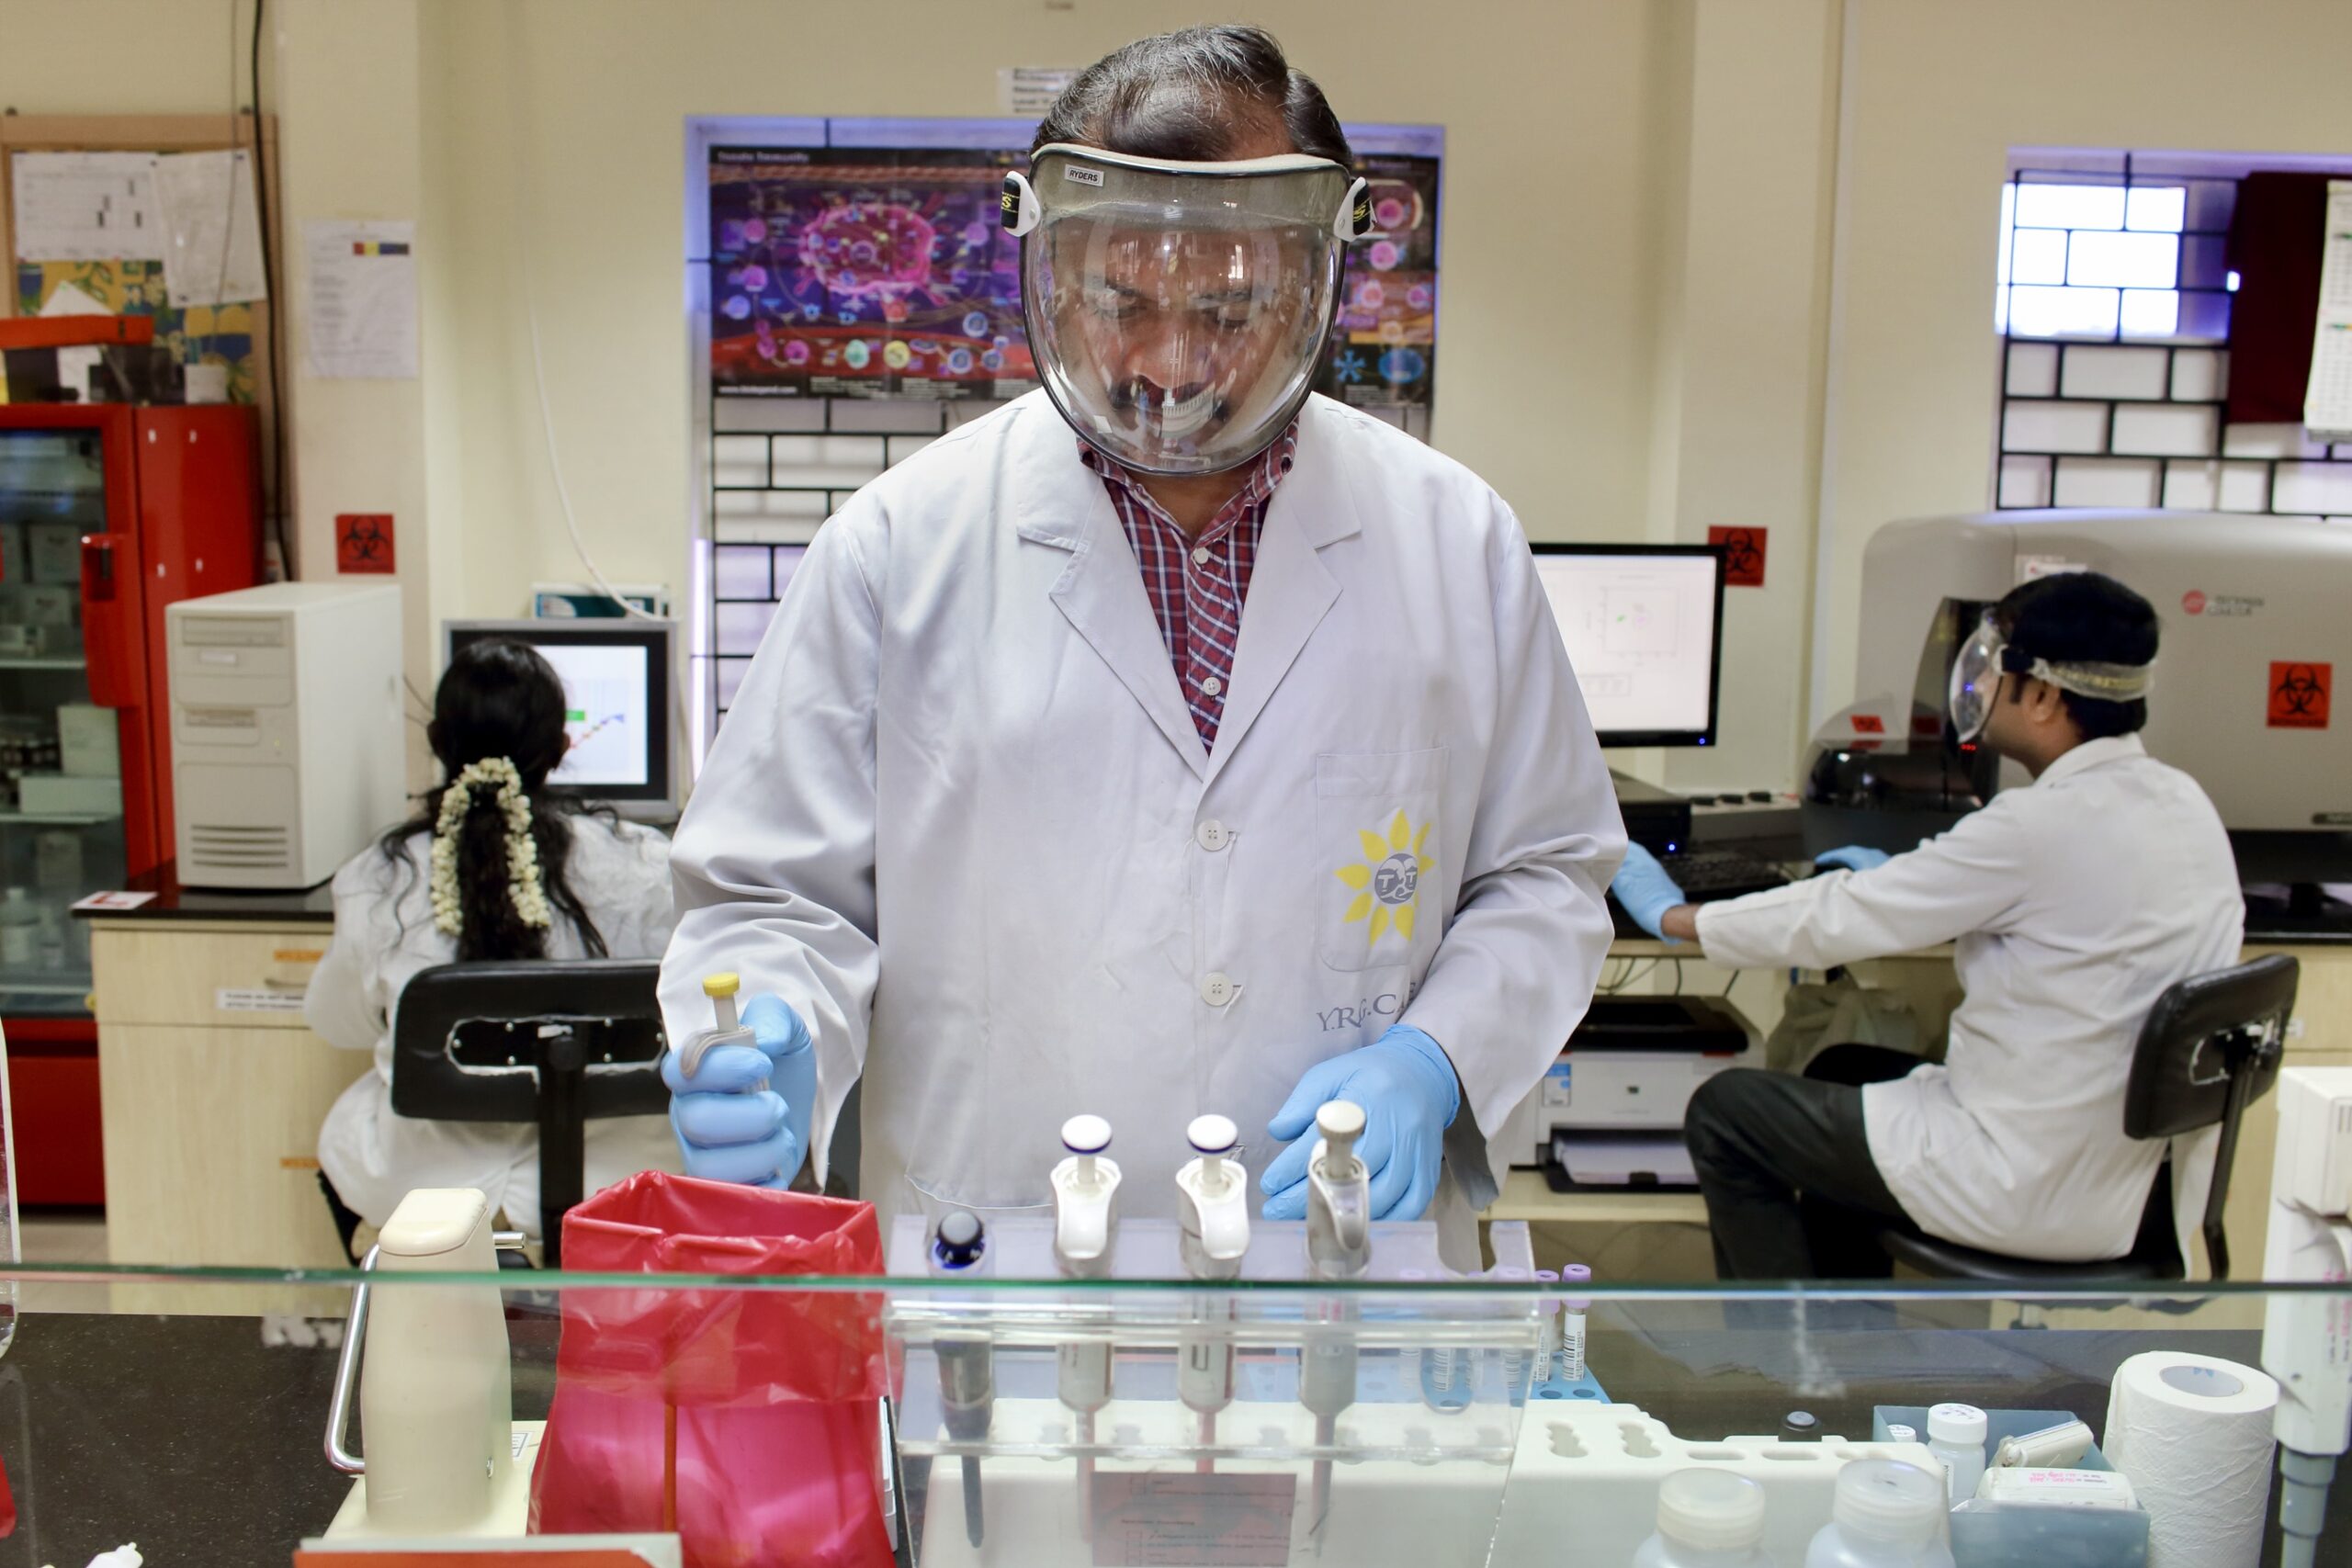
[(2070, 905), (1169, 742)]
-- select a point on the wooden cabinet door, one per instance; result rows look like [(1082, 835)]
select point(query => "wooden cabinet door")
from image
[(211, 1143)]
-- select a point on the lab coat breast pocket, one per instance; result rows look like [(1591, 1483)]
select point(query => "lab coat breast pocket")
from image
[(1376, 829)]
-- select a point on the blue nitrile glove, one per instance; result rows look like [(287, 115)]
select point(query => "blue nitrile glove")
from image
[(1853, 857), (1409, 1096), (744, 1116), (1645, 891)]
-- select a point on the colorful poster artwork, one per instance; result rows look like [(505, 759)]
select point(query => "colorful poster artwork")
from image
[(1383, 346), (864, 272)]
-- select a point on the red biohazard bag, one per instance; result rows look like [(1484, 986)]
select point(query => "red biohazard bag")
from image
[(746, 1420)]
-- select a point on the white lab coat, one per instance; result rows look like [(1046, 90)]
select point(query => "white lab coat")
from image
[(2071, 904), (959, 817), (384, 934)]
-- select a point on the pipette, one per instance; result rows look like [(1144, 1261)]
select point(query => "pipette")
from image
[(1214, 1212), (967, 1375), (1339, 1246), (1085, 1187)]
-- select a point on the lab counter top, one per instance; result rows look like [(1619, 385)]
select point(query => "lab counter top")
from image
[(189, 1435), (200, 1439), (174, 901)]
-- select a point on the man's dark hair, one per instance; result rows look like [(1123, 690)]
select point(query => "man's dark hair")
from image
[(1193, 95), (2082, 616)]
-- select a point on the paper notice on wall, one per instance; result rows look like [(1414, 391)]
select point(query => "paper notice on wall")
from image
[(211, 228), (361, 318), (1030, 90), (85, 206), (2327, 403)]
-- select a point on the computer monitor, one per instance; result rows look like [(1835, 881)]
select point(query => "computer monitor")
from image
[(617, 678), (1644, 624)]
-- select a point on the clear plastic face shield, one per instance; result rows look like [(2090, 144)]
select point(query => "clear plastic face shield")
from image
[(1985, 657), (1177, 311)]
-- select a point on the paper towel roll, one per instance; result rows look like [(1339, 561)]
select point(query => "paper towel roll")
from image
[(2192, 1434)]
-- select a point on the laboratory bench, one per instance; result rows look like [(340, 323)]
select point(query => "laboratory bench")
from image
[(214, 1091), (199, 1437), (2319, 1035)]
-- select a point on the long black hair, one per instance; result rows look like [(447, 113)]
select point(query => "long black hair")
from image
[(501, 699)]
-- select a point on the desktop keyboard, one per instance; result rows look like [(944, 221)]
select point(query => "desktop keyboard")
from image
[(1706, 872), (1717, 871)]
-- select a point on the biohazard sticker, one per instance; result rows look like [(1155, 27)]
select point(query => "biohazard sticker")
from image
[(1743, 555), (2298, 694), (363, 543)]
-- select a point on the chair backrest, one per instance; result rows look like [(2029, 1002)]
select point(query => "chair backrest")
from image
[(2212, 1046), (469, 1041), (557, 1043)]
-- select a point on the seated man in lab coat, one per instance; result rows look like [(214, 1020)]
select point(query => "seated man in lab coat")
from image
[(2071, 905), (1167, 742)]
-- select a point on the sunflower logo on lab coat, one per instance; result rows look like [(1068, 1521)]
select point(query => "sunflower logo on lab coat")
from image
[(1388, 880)]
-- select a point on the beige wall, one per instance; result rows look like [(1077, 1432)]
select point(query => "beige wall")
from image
[(1640, 338), (1942, 91)]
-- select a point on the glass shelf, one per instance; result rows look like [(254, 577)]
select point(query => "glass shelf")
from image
[(1394, 1422)]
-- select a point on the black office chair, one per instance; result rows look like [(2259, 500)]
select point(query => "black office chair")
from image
[(557, 1043), (2211, 1047)]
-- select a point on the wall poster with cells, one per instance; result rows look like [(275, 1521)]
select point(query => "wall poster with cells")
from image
[(879, 272), (1383, 351), (864, 272)]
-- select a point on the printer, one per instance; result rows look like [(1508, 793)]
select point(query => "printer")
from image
[(1609, 1112)]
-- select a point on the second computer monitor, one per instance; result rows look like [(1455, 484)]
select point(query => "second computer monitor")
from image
[(1643, 625), (617, 676)]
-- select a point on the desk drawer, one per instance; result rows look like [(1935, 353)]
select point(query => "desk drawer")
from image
[(241, 979)]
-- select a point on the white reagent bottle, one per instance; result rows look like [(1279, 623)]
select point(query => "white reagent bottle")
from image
[(1956, 1436), (1706, 1518), (1886, 1514)]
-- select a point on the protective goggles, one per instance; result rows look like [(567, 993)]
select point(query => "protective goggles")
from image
[(1985, 657), (1177, 311)]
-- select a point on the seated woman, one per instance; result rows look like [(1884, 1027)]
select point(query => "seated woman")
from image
[(493, 867)]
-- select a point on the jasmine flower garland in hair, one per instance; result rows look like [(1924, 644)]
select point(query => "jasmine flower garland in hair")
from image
[(524, 888)]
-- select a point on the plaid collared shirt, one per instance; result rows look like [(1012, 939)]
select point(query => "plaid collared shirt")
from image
[(1197, 586)]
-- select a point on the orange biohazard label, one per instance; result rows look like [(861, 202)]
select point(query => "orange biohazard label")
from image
[(2298, 694), (1869, 724)]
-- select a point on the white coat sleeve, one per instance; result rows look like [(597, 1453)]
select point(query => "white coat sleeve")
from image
[(772, 865), (1969, 879), (341, 1005), (1517, 967)]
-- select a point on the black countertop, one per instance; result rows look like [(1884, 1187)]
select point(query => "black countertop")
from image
[(174, 902), (202, 1443)]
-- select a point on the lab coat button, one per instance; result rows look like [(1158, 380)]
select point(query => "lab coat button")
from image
[(1211, 835), (1216, 989)]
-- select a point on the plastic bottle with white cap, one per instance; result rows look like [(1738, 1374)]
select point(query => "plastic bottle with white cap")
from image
[(1886, 1514), (1956, 1436), (1706, 1518)]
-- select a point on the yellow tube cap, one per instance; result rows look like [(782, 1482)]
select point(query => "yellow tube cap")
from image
[(724, 984)]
